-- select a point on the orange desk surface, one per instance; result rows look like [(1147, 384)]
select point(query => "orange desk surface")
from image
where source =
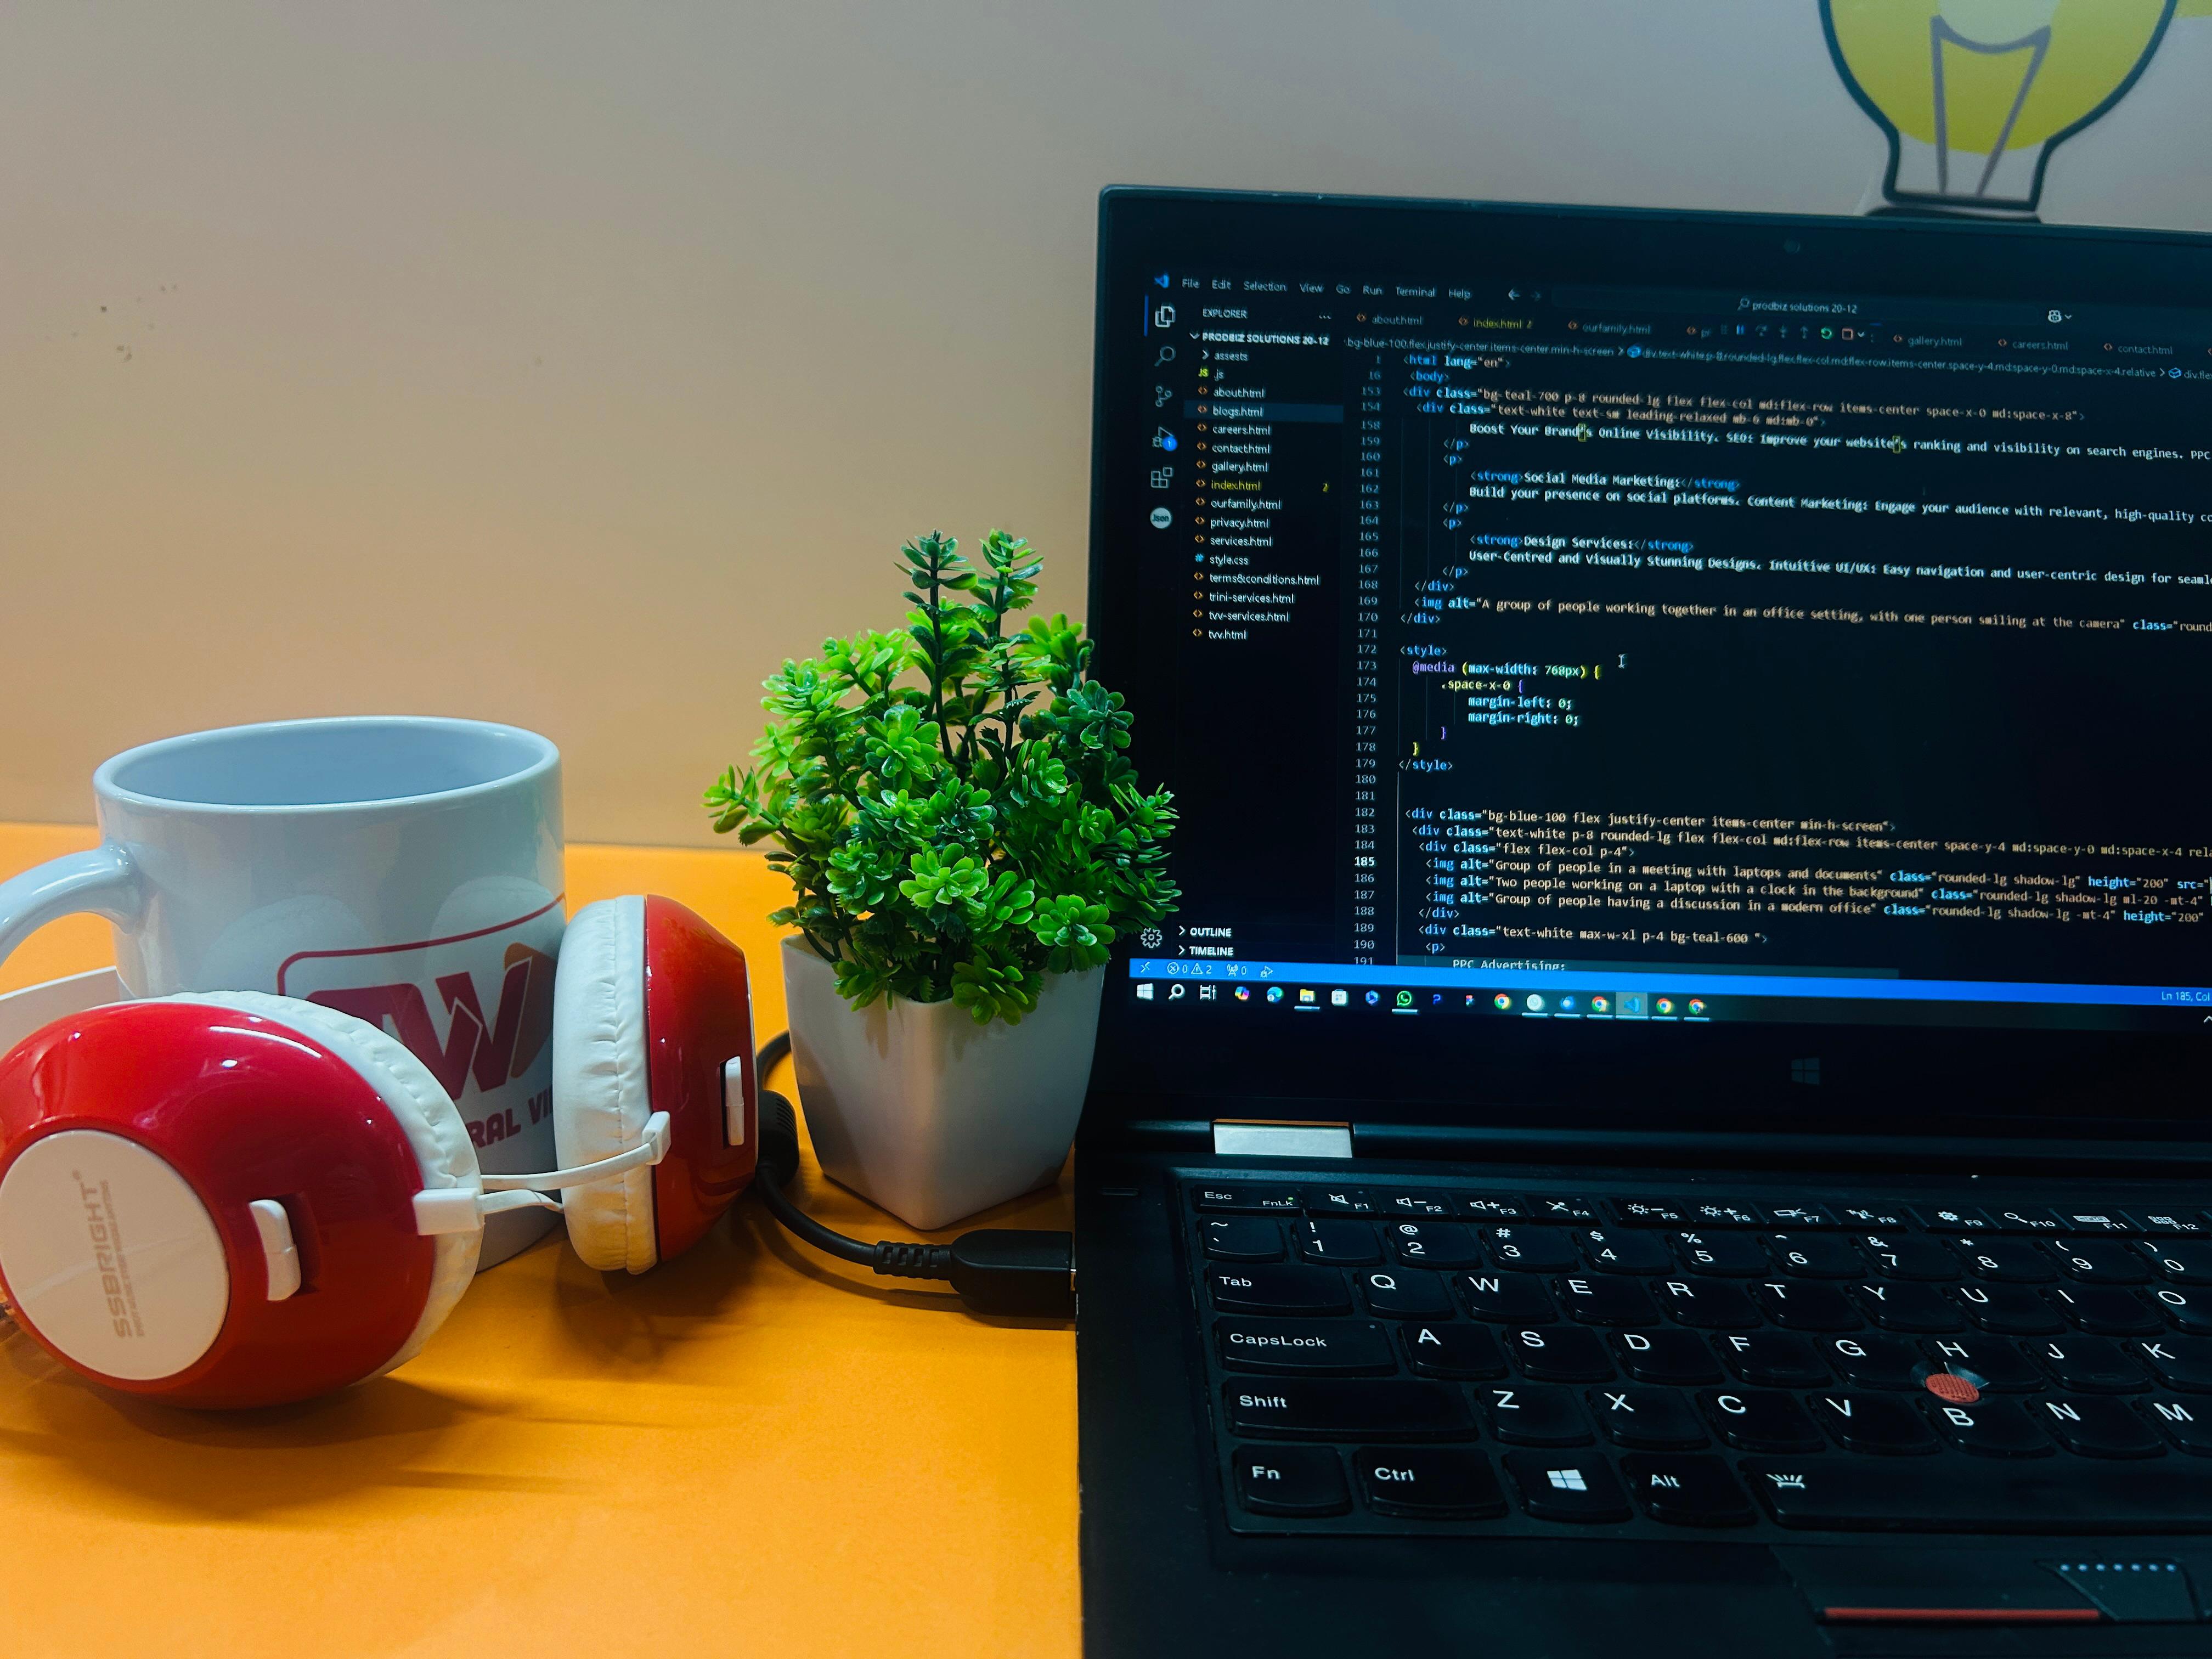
[(748, 1451)]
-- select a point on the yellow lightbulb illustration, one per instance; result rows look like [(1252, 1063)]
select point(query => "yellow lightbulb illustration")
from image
[(1974, 95)]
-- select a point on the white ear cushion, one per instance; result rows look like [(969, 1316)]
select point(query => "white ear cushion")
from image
[(601, 1091), (443, 1152)]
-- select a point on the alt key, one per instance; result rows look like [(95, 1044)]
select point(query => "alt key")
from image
[(1689, 1491), (1289, 1480)]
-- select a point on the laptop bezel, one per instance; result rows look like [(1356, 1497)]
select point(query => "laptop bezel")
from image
[(1920, 1090)]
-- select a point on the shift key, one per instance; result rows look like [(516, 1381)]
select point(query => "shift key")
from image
[(1296, 1409), (1285, 1288)]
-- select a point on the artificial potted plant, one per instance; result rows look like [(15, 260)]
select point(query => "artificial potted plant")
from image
[(966, 840)]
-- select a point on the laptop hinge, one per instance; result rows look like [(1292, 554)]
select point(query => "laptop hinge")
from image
[(1259, 1138)]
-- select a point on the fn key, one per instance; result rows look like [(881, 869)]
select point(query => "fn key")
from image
[(1289, 1479)]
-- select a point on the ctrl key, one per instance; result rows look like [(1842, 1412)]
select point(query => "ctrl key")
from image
[(1289, 1480), (1435, 1484)]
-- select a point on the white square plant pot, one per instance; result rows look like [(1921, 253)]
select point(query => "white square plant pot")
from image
[(920, 1110)]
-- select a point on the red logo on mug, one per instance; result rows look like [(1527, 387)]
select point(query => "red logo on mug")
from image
[(485, 1052)]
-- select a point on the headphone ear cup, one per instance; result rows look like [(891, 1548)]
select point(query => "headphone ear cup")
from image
[(652, 1012), (426, 1114), (602, 1084), (246, 1173)]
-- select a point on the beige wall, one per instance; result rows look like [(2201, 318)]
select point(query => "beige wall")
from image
[(571, 365)]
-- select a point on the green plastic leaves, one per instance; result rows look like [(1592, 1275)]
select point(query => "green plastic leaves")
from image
[(951, 802), (1076, 935)]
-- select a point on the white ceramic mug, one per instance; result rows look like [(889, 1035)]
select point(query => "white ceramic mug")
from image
[(405, 870)]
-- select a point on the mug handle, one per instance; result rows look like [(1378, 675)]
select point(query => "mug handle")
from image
[(103, 881)]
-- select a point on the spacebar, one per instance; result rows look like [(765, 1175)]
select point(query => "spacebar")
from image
[(2065, 1495)]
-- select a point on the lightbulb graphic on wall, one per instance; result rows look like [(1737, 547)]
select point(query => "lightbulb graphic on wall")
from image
[(1975, 94)]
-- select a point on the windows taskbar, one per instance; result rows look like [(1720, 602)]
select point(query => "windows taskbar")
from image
[(1627, 993)]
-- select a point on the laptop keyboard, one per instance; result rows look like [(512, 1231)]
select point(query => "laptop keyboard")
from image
[(1459, 1358)]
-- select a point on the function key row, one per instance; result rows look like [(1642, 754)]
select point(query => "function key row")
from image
[(1377, 1202), (2031, 1221)]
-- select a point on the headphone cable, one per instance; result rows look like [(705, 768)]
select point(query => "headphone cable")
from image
[(996, 1270)]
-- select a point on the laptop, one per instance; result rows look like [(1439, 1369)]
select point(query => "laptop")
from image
[(1671, 1118)]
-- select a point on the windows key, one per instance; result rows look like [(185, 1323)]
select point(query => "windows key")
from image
[(1567, 1487)]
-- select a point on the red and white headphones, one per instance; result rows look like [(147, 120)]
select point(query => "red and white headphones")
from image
[(231, 1199)]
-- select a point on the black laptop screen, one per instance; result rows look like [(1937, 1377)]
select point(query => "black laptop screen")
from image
[(1586, 622)]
